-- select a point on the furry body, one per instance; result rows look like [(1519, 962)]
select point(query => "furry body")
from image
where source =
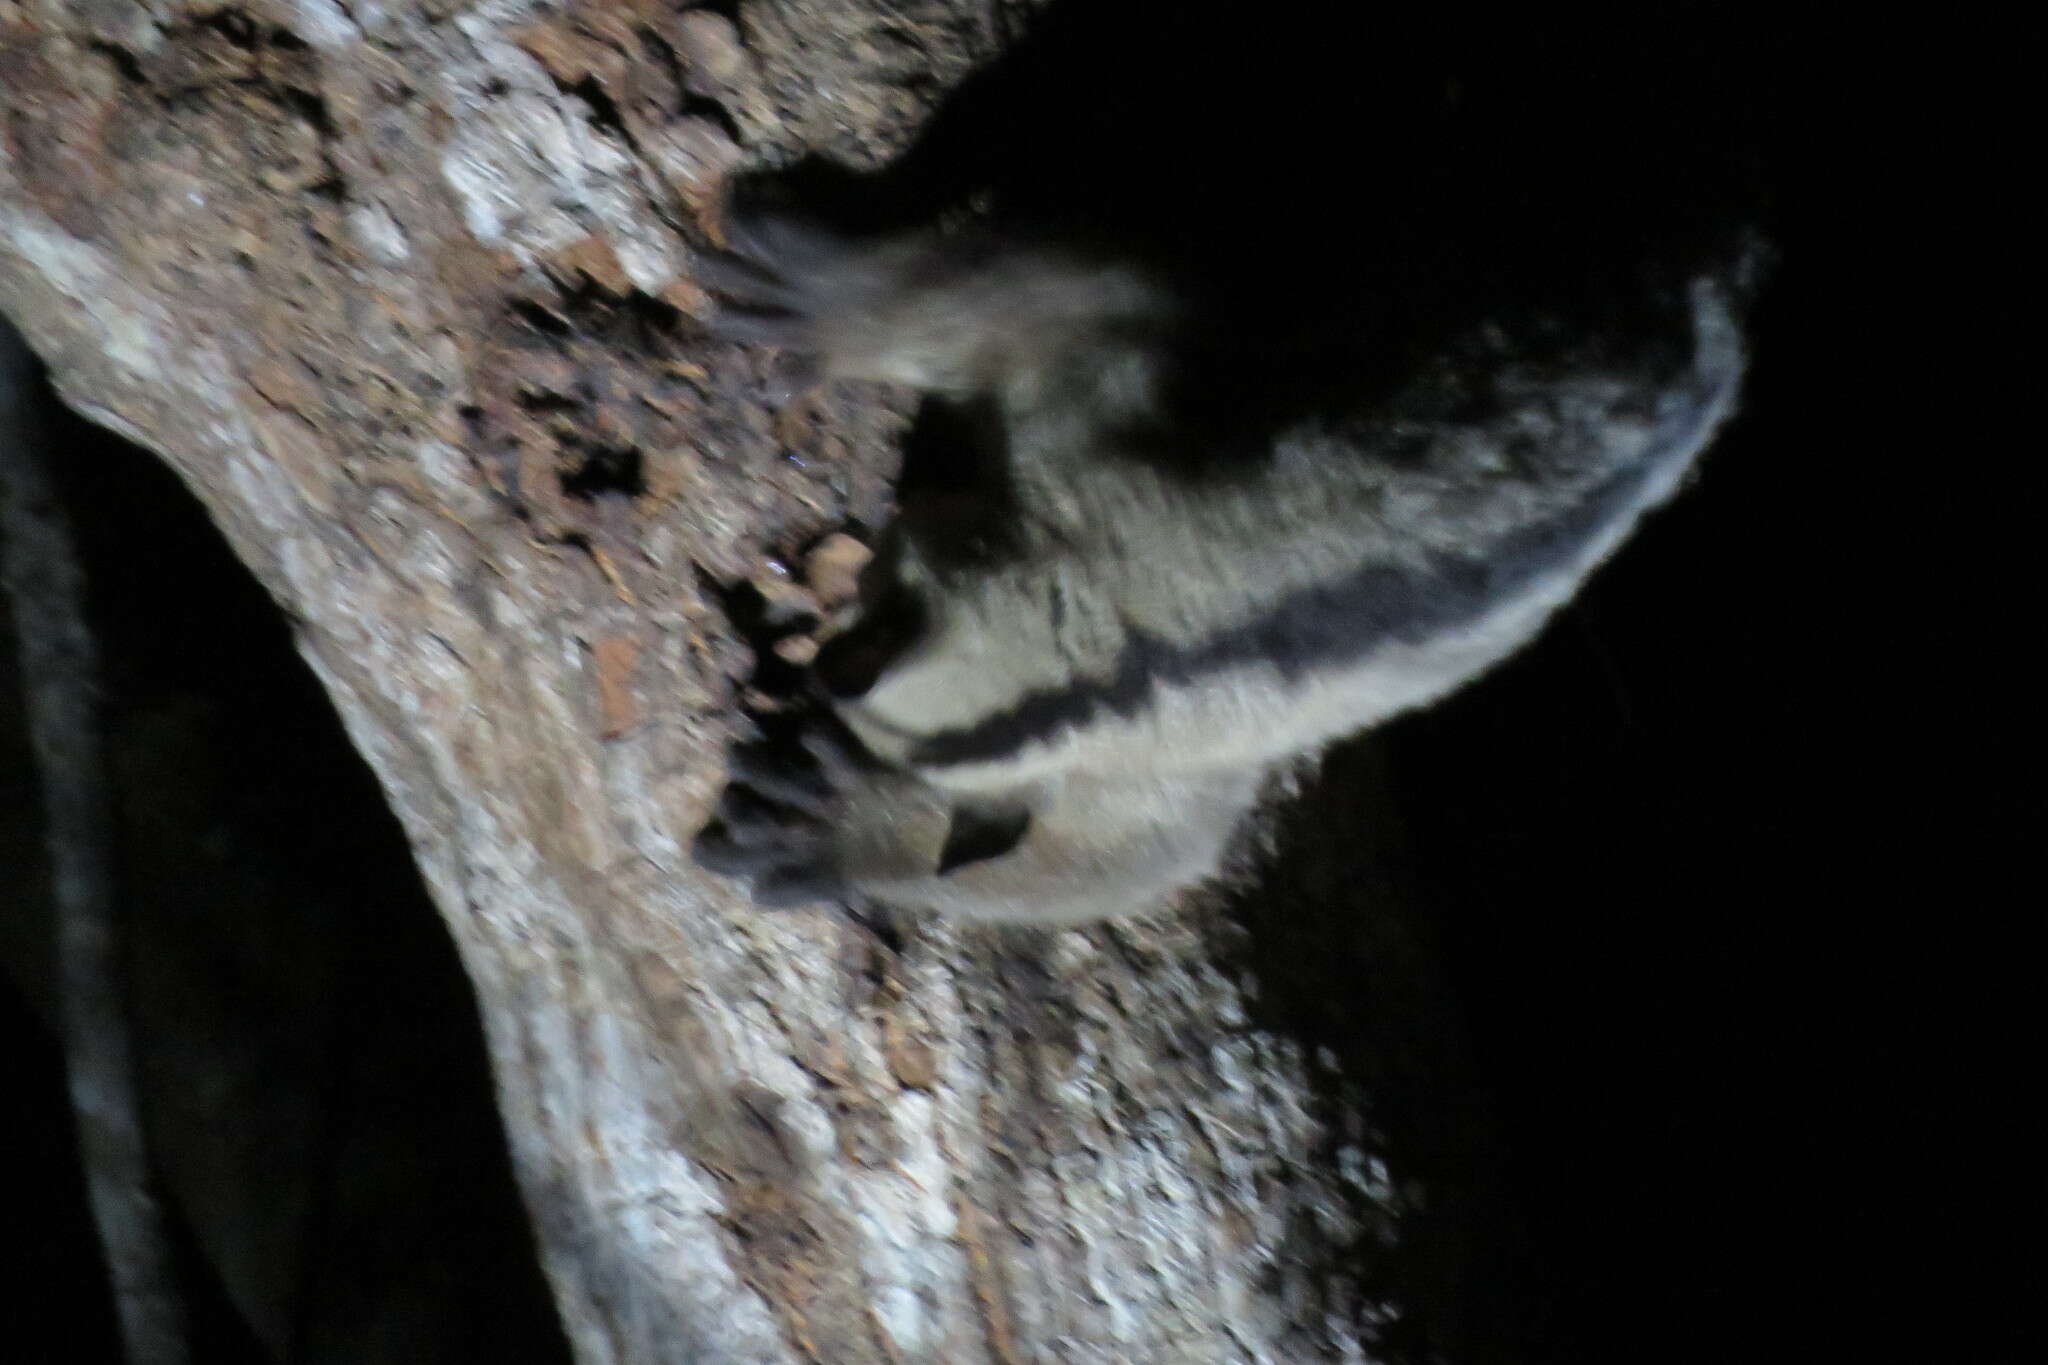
[(1068, 719)]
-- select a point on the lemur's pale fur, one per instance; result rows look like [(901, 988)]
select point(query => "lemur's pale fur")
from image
[(1075, 725)]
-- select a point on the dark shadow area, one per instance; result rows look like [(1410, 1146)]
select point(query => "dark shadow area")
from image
[(313, 1076), (57, 1302), (1337, 192)]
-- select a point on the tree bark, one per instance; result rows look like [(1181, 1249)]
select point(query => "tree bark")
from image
[(403, 293)]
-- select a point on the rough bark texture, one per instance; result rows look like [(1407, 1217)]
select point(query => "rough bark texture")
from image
[(403, 292)]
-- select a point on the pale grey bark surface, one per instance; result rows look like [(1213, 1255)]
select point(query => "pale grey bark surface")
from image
[(403, 293)]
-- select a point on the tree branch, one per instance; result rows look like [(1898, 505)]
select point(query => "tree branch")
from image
[(45, 590)]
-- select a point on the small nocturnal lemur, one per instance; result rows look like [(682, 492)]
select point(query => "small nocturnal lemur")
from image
[(1157, 573), (1070, 725)]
